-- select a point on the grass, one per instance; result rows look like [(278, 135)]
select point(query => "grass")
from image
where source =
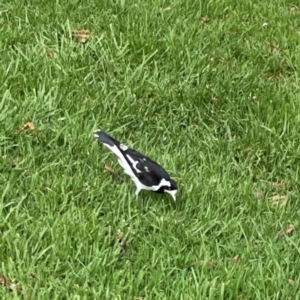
[(208, 89)]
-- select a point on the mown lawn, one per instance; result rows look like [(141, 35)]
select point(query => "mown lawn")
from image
[(209, 89)]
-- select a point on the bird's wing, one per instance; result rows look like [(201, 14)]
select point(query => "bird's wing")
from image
[(148, 171), (133, 162)]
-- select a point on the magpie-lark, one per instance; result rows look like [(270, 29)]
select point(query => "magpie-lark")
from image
[(145, 173)]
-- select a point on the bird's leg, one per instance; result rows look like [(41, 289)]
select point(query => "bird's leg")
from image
[(141, 205)]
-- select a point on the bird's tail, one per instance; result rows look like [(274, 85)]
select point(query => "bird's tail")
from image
[(104, 138)]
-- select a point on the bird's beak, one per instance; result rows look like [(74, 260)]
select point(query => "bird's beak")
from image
[(173, 194)]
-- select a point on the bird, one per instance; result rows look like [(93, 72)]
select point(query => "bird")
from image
[(144, 172)]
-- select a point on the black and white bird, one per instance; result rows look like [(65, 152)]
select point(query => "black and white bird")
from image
[(145, 173)]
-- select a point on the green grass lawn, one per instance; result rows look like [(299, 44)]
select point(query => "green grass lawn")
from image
[(210, 90)]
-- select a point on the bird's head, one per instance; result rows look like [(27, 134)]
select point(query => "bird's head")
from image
[(172, 189)]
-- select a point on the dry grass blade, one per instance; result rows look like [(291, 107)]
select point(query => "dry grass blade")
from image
[(258, 195), (278, 200), (293, 8), (108, 169), (49, 52), (235, 259), (10, 285), (290, 228), (207, 263), (177, 220), (272, 47), (27, 126), (121, 240), (205, 20), (274, 75), (279, 184), (81, 35)]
